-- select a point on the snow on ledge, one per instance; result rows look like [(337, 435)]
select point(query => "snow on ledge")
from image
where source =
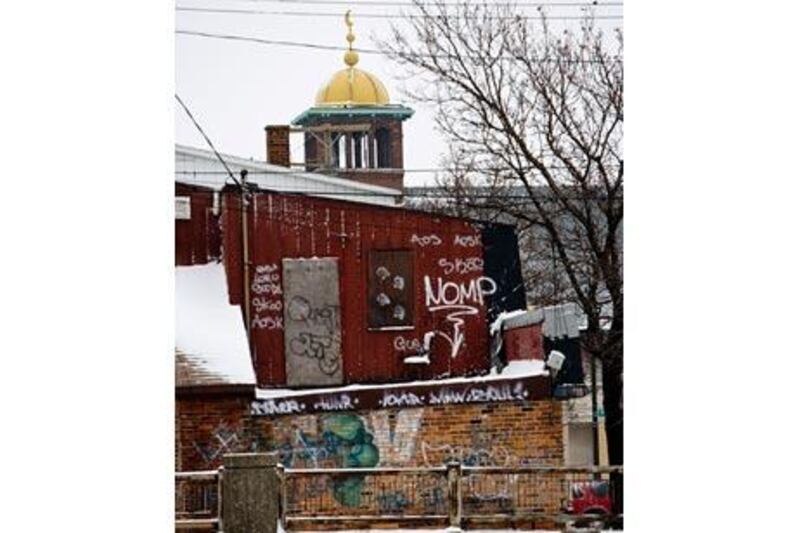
[(502, 317), (521, 369), (208, 330), (516, 369)]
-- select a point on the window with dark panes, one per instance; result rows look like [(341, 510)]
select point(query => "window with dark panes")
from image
[(384, 146), (391, 289)]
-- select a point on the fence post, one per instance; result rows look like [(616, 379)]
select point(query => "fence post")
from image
[(251, 491), (454, 496), (284, 498), (220, 474)]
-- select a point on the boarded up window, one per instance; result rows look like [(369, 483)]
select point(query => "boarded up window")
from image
[(391, 289), (312, 322)]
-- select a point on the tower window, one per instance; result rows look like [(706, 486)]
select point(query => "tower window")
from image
[(384, 149), (339, 151)]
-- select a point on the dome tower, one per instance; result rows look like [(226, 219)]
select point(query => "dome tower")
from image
[(353, 130)]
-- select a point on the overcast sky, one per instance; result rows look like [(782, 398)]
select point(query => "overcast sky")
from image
[(236, 88)]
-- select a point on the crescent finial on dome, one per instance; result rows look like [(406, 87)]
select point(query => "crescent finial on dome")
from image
[(351, 56)]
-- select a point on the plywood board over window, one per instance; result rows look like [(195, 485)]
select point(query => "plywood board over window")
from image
[(312, 322), (390, 292)]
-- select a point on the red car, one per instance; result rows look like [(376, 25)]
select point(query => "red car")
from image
[(590, 497)]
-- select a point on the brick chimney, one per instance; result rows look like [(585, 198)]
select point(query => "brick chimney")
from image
[(522, 336), (278, 145)]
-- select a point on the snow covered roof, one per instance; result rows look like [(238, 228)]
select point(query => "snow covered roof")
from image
[(195, 166), (515, 370), (210, 341)]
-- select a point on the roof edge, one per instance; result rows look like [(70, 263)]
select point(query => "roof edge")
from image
[(347, 109), (187, 391)]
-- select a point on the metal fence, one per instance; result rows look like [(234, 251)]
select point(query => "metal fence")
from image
[(455, 495), (355, 495), (198, 500)]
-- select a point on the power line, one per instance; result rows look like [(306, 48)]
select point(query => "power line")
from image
[(390, 3), (361, 50), (335, 172), (203, 133), (290, 215), (221, 11), (435, 193)]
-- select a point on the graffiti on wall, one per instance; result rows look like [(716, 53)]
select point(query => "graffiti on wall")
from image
[(456, 301), (426, 240), (487, 391), (321, 346), (461, 265), (267, 297), (481, 451), (343, 441), (396, 435), (394, 502), (312, 322), (467, 241), (347, 440), (224, 439)]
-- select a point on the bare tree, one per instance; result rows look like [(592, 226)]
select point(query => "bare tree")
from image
[(533, 118)]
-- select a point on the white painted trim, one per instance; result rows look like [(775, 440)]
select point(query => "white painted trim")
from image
[(252, 164)]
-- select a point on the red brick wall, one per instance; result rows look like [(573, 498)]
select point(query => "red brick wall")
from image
[(207, 427), (507, 434), (278, 151)]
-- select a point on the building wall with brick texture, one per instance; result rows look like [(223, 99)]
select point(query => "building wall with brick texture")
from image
[(508, 434), (315, 150), (505, 434)]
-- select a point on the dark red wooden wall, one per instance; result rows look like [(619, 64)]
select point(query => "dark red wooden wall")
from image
[(198, 240), (290, 226)]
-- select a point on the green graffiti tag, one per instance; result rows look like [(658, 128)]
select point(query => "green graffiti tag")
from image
[(355, 447)]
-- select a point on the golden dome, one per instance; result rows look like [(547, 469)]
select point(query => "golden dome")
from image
[(352, 86)]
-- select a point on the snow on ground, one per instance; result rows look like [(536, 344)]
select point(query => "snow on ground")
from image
[(208, 329)]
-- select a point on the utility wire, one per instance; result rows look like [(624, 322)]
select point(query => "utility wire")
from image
[(203, 133), (217, 11), (378, 3), (335, 172), (292, 215), (362, 50), (436, 194)]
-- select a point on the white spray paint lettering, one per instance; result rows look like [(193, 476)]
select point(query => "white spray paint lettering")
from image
[(280, 407), (342, 402), (479, 394), (461, 265), (426, 240), (401, 399), (268, 322), (467, 241), (458, 300), (268, 302), (402, 344)]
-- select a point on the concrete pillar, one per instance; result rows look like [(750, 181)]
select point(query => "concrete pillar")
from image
[(454, 510), (250, 492)]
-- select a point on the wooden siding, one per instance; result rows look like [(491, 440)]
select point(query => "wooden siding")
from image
[(198, 239), (450, 292)]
